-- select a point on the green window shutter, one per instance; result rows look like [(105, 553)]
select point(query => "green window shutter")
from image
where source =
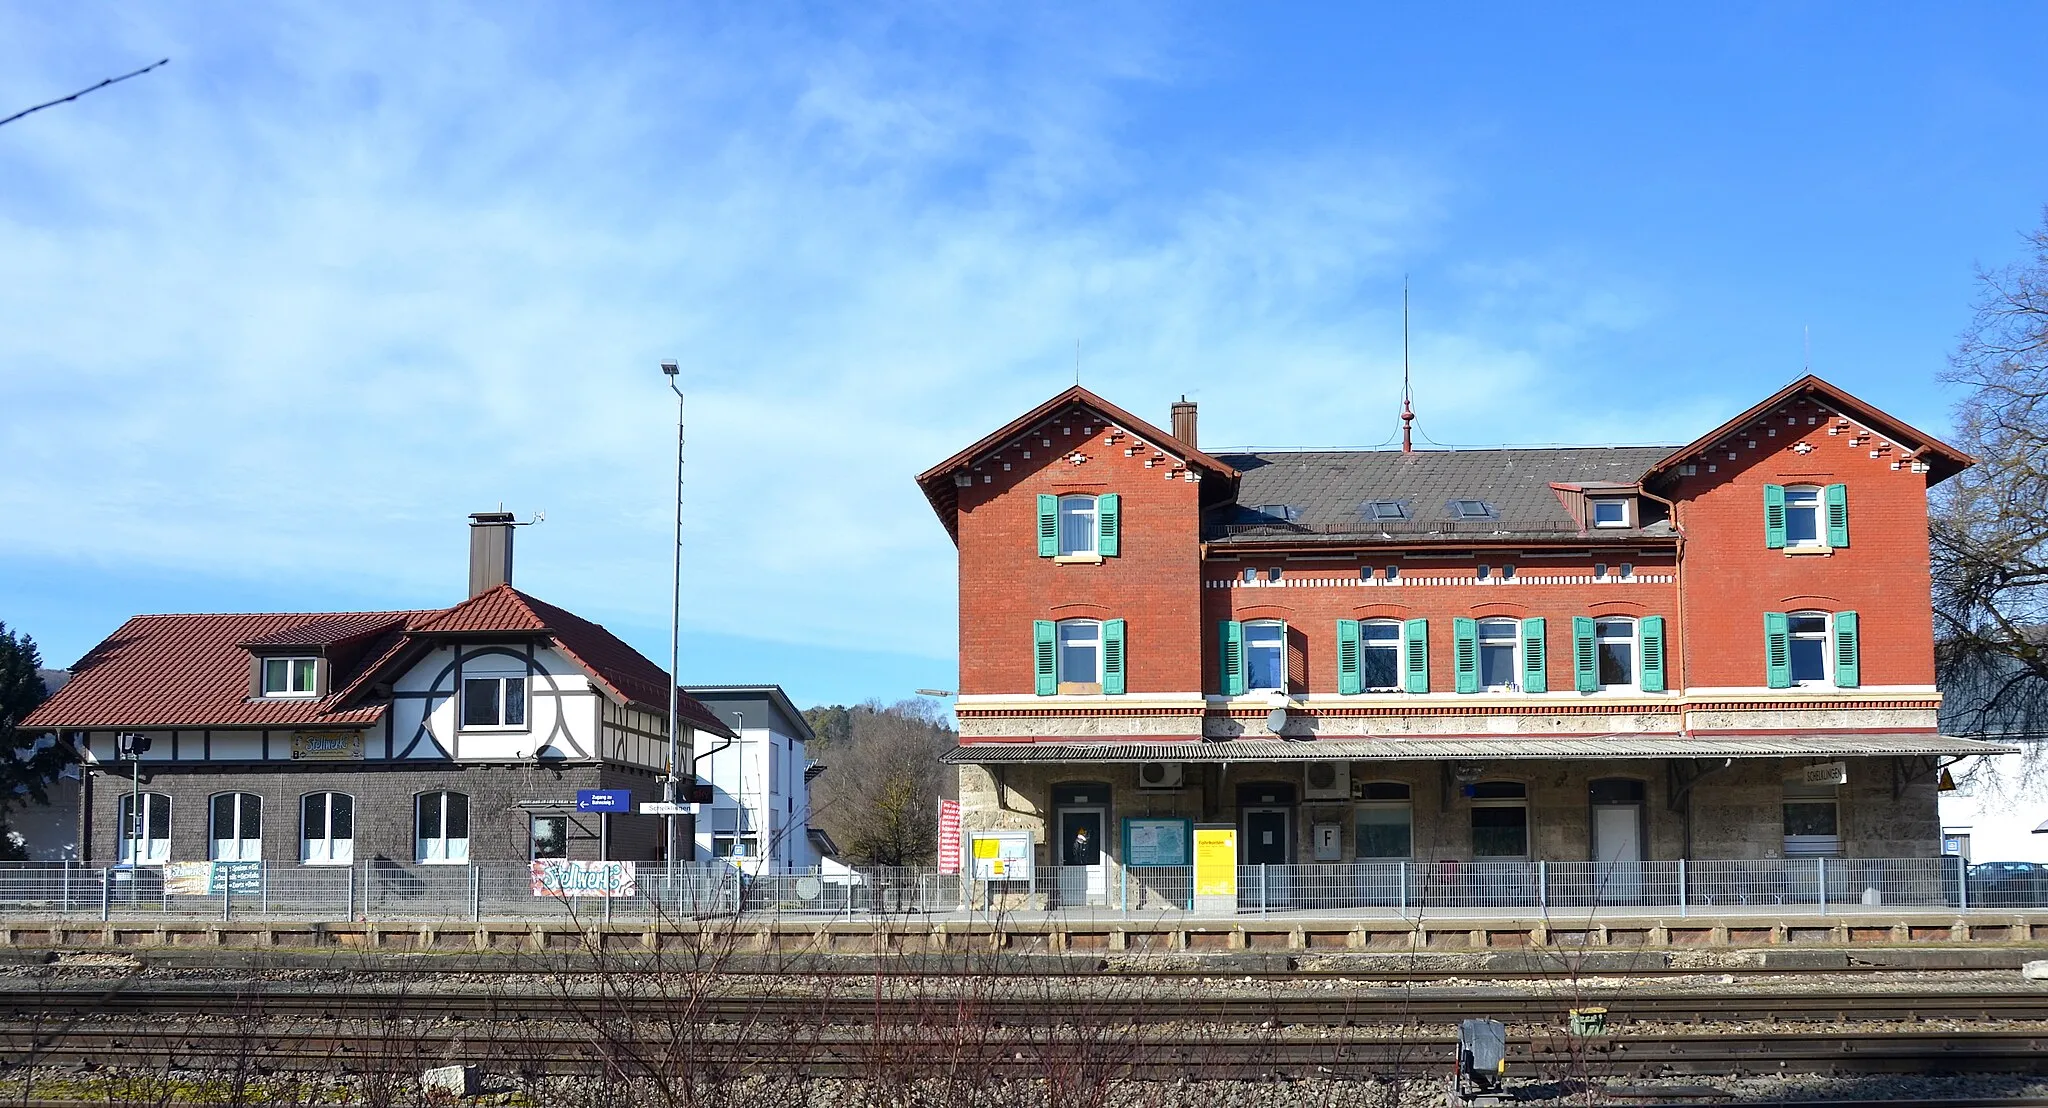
[(1777, 650), (1534, 677), (1349, 676), (1465, 654), (1230, 648), (1585, 656), (1043, 658), (1848, 654), (1108, 524), (1774, 517), (1652, 631), (1113, 656), (1837, 499), (1048, 525), (1415, 654)]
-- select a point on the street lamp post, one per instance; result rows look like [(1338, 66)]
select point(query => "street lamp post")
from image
[(675, 626)]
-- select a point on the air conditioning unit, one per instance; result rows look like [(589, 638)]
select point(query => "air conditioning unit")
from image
[(1159, 775), (1327, 781)]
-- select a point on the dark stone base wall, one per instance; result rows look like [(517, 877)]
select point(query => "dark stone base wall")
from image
[(498, 828)]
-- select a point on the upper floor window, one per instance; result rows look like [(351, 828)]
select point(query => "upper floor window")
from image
[(1615, 652), (235, 827), (1380, 655), (1265, 655), (1617, 649), (494, 701), (1497, 639), (1610, 512), (1812, 648), (1079, 656), (441, 828), (1806, 517), (1079, 526), (290, 676)]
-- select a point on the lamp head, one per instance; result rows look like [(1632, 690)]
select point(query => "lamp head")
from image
[(670, 368)]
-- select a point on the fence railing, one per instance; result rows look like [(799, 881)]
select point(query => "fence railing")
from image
[(386, 891)]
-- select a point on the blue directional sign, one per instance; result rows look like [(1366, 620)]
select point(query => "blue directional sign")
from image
[(604, 800)]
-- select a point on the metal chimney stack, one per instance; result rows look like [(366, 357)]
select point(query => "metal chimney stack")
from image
[(1184, 422), (490, 551)]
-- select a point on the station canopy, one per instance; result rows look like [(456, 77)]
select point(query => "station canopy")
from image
[(1489, 747)]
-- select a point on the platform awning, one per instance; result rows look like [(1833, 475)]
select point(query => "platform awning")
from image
[(1471, 747)]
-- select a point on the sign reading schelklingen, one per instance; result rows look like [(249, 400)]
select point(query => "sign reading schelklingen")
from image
[(327, 746)]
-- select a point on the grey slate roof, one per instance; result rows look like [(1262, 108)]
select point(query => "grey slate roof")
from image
[(1329, 487)]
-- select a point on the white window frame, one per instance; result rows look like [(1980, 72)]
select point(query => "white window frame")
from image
[(291, 671), (1826, 636), (1809, 846), (1059, 653), (503, 681), (1514, 645), (241, 846), (156, 850), (326, 848), (1596, 503), (1092, 512), (1364, 626), (1251, 686), (1361, 807), (1635, 647), (1812, 499), (441, 848)]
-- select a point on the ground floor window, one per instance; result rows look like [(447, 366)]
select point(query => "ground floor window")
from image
[(732, 833), (1812, 820), (145, 828), (235, 826), (327, 829), (1500, 819), (1386, 821), (551, 836), (441, 833)]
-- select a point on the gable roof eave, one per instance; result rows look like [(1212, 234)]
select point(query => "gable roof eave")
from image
[(1943, 461), (945, 501)]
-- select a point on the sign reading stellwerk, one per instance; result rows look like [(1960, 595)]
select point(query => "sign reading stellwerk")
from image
[(949, 836), (562, 877), (327, 746)]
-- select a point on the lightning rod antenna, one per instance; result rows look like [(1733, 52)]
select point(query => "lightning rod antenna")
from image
[(1407, 394)]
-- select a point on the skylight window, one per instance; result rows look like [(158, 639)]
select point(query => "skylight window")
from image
[(1285, 513), (1385, 509), (1472, 509)]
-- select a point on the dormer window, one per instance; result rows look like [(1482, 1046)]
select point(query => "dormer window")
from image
[(290, 677), (1610, 512)]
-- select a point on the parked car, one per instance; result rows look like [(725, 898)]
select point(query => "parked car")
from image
[(2009, 885)]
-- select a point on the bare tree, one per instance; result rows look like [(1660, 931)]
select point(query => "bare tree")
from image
[(878, 797), (1990, 523)]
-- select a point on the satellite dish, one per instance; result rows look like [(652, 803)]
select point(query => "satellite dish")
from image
[(1276, 719)]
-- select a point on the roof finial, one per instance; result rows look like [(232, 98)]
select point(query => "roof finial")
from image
[(1407, 394)]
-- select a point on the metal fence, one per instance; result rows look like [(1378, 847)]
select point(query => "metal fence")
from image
[(384, 891)]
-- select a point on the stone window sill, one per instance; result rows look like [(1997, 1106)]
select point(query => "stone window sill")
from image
[(1078, 560), (1808, 550)]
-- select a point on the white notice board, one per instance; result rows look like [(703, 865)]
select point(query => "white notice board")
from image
[(1002, 855)]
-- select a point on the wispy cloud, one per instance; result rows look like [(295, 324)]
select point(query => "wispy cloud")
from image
[(339, 277)]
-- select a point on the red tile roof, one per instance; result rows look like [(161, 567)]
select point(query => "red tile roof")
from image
[(193, 670)]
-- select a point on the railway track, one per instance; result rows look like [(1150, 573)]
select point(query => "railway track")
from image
[(1413, 1006), (516, 1050)]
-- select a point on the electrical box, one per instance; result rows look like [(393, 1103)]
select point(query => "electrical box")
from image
[(1329, 842)]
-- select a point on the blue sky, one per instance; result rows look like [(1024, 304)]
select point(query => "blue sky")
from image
[(273, 319)]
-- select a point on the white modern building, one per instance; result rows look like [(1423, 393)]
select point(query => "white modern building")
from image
[(1998, 811), (759, 815)]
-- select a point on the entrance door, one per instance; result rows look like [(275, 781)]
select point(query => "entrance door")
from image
[(1269, 882), (1083, 879), (1618, 853)]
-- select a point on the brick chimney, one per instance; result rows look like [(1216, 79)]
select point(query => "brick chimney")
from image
[(490, 551), (1184, 422)]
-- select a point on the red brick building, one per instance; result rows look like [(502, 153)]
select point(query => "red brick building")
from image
[(1595, 653)]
